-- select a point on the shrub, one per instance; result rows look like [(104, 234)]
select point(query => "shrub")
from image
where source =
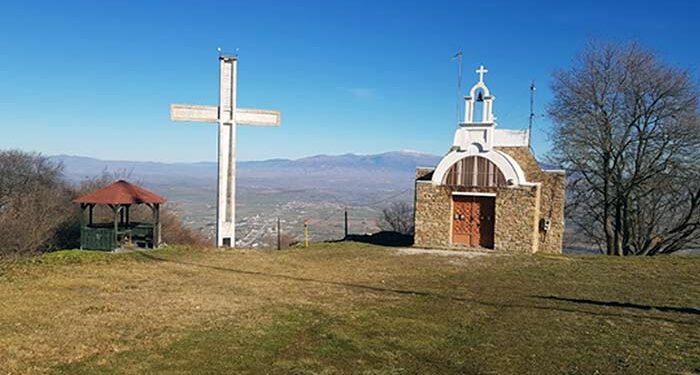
[(33, 198), (398, 217)]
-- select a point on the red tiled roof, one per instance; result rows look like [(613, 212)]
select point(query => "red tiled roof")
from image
[(120, 192)]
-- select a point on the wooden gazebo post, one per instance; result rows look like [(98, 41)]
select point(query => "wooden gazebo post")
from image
[(115, 217), (82, 222), (158, 239), (155, 211)]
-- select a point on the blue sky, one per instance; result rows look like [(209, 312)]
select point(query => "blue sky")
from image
[(96, 78)]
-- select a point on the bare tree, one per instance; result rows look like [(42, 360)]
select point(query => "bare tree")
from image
[(32, 202), (627, 129), (398, 217)]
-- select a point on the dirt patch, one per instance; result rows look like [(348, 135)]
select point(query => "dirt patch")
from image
[(442, 253)]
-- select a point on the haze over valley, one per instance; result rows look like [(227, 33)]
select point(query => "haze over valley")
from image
[(316, 188)]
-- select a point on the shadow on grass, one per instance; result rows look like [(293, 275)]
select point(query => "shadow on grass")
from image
[(411, 292), (628, 305), (384, 238)]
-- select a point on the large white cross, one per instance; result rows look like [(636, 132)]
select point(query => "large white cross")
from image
[(227, 115)]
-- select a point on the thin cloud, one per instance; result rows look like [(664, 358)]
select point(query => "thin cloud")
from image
[(360, 92)]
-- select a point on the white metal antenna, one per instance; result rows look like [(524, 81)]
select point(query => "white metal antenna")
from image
[(532, 113), (458, 56), (221, 52)]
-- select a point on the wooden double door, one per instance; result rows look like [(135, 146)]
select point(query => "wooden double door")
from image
[(473, 219)]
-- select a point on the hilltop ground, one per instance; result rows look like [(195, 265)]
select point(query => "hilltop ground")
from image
[(348, 308)]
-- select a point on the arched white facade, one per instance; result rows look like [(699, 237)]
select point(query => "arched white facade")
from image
[(507, 165)]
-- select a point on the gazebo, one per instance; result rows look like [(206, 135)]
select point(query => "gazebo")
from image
[(119, 197)]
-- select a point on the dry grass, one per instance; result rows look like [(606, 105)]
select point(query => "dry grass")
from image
[(347, 308)]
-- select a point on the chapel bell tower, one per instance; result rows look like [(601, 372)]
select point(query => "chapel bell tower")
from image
[(479, 94), (477, 129)]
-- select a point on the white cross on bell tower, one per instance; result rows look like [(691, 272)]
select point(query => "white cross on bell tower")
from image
[(481, 71)]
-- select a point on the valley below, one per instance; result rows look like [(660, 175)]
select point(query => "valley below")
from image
[(317, 189)]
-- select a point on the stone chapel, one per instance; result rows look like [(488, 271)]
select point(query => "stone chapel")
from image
[(489, 191)]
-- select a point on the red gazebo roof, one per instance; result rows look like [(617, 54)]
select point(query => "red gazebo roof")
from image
[(120, 192)]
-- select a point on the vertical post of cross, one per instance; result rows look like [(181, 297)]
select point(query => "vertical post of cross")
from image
[(226, 210)]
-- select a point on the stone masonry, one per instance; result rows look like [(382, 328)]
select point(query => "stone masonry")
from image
[(552, 189), (519, 210)]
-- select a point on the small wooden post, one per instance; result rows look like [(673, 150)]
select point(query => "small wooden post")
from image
[(346, 223), (279, 236), (306, 233)]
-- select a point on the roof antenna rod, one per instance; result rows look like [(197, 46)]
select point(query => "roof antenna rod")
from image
[(221, 52), (458, 56), (532, 114)]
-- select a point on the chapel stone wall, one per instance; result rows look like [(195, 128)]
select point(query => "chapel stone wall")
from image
[(516, 219), (552, 188), (553, 200), (433, 212)]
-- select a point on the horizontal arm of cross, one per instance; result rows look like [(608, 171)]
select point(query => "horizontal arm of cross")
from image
[(205, 113), (257, 117), (198, 113)]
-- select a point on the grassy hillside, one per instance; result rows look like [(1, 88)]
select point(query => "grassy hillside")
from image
[(348, 308)]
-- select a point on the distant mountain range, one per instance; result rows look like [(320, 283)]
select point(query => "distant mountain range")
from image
[(347, 172), (342, 172)]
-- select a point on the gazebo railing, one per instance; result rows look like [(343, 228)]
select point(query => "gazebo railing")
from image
[(102, 236)]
